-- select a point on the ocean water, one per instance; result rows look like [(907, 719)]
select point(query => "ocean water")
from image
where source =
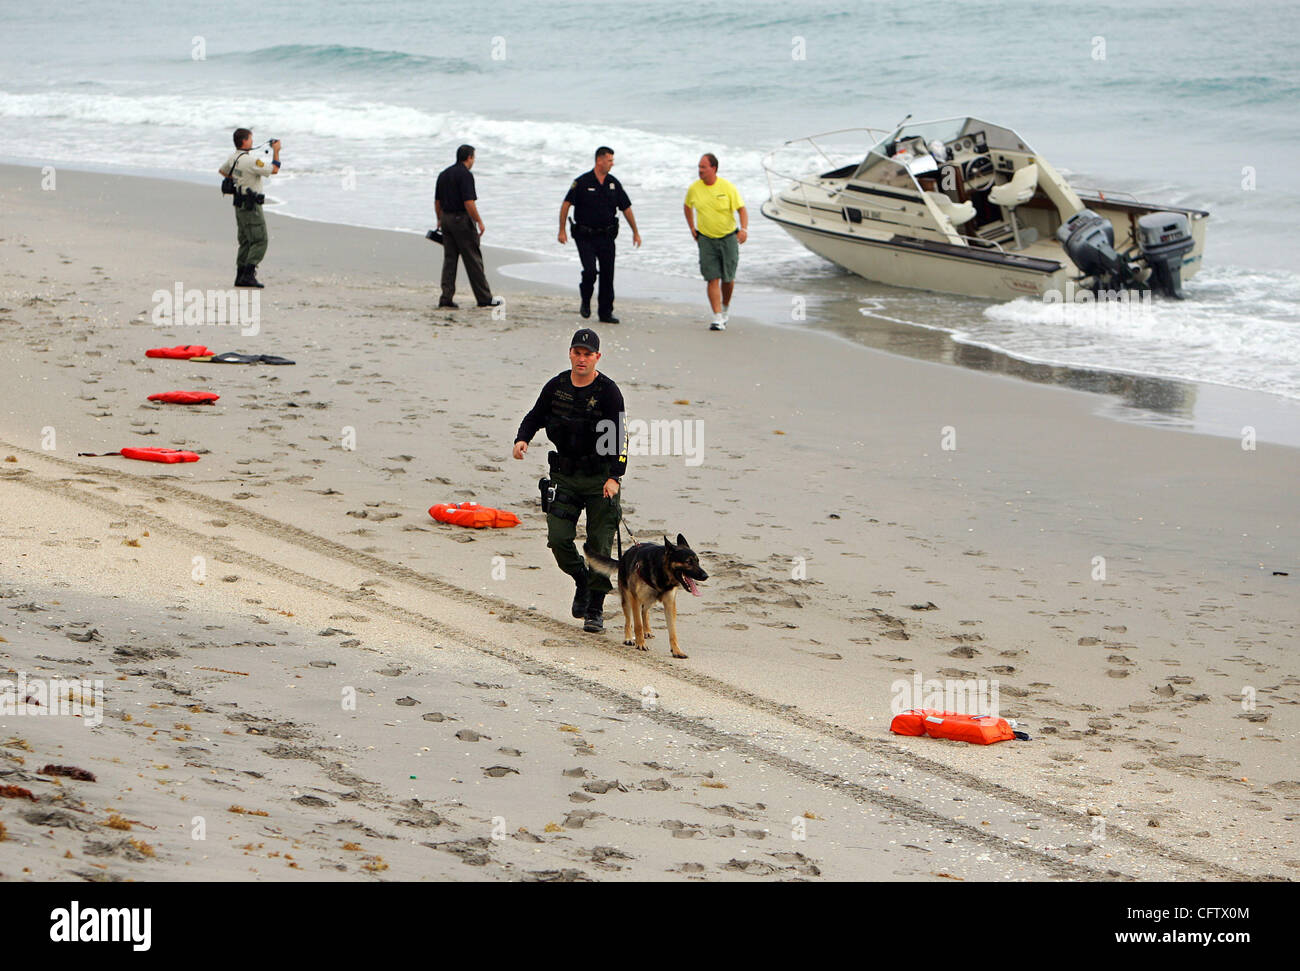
[(1190, 104)]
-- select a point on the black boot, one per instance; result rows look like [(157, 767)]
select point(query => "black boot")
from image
[(241, 272), (250, 277), (595, 623), (580, 595)]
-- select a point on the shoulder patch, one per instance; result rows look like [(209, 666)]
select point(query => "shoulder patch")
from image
[(260, 164)]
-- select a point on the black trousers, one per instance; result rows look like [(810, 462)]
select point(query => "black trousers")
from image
[(597, 255), (460, 240)]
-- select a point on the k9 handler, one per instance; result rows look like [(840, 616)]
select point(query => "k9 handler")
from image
[(248, 170), (582, 412)]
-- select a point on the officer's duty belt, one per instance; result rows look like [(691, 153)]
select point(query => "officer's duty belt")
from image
[(592, 231), (583, 465)]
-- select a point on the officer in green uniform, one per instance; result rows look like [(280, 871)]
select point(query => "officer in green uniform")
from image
[(582, 412), (247, 170)]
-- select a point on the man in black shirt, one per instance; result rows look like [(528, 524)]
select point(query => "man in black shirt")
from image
[(456, 206), (596, 198), (582, 412)]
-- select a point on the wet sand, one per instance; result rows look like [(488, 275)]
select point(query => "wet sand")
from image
[(847, 548)]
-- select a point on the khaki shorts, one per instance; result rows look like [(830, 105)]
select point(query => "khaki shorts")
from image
[(719, 257)]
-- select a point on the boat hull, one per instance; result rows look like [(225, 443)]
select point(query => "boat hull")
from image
[(915, 264)]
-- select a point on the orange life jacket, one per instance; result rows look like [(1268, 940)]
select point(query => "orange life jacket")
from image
[(180, 352), (976, 729), (472, 514), (186, 397), (159, 454)]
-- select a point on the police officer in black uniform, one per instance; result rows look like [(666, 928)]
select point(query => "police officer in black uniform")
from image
[(596, 198), (582, 412)]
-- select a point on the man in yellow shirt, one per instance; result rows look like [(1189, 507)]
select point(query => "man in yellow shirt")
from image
[(713, 201)]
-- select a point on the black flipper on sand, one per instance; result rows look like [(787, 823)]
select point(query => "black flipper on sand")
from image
[(233, 357)]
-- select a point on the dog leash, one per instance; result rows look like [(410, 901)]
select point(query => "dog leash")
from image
[(618, 531)]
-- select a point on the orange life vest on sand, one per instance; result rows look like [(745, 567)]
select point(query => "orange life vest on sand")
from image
[(976, 729), (180, 352), (472, 514), (159, 454), (185, 397)]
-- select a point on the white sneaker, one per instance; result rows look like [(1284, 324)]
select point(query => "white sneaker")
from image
[(718, 323)]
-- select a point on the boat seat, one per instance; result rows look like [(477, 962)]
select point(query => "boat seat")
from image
[(958, 213), (1020, 189)]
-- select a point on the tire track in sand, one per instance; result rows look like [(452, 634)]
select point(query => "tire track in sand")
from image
[(295, 536)]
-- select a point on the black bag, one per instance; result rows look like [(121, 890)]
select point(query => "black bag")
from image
[(228, 183)]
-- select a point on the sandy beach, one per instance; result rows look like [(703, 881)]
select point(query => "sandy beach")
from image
[(303, 667)]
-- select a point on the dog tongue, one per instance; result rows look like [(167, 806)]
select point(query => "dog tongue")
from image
[(690, 585)]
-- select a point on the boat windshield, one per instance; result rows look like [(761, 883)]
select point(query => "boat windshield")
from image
[(917, 149), (950, 130)]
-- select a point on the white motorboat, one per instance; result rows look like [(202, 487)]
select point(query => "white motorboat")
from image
[(967, 207)]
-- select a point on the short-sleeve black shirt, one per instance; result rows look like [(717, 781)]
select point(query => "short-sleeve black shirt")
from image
[(594, 204), (455, 187)]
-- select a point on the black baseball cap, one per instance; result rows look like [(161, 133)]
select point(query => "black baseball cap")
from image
[(586, 338)]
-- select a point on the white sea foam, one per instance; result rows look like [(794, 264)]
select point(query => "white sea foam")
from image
[(372, 108), (1237, 327), (322, 117)]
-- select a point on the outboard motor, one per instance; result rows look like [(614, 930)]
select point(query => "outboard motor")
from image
[(1089, 241), (1165, 238)]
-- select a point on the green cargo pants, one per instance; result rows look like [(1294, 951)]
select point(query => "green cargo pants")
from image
[(252, 236), (602, 522)]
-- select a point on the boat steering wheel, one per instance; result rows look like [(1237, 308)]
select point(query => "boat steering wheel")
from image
[(977, 169)]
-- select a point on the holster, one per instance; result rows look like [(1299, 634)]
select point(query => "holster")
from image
[(248, 200), (565, 505)]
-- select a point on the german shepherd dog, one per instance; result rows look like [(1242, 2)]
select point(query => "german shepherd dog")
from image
[(648, 573)]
